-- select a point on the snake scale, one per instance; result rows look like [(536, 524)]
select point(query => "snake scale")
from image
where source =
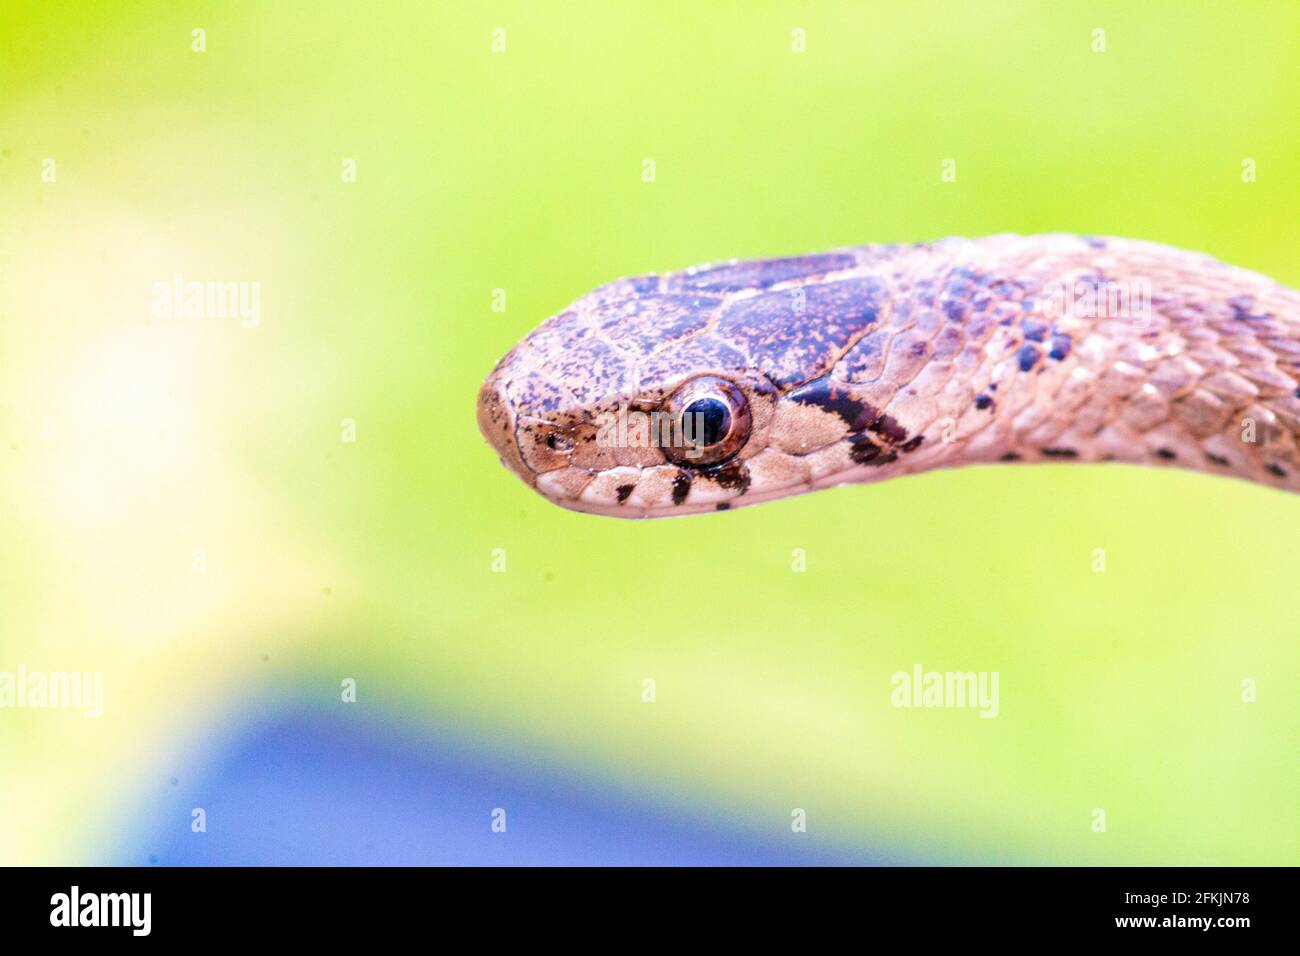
[(730, 384)]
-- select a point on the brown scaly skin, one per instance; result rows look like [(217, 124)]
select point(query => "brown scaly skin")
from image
[(877, 361)]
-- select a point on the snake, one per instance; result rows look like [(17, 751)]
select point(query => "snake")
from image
[(744, 381)]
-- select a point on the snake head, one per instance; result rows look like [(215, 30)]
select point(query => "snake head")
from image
[(596, 426), (669, 395)]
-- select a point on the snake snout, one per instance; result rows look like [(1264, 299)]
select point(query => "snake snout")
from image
[(496, 421)]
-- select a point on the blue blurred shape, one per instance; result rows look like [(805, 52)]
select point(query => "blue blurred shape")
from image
[(309, 789)]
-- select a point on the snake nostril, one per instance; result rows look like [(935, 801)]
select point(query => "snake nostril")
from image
[(559, 442)]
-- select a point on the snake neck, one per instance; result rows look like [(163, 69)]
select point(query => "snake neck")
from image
[(1061, 349)]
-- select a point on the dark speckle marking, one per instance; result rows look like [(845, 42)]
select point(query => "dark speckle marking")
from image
[(792, 347), (623, 491), (681, 487), (983, 402), (1060, 347), (1060, 452), (1010, 456), (913, 443), (1027, 357), (1218, 460), (1241, 307), (1274, 469), (1034, 331), (1167, 454), (647, 321), (722, 506)]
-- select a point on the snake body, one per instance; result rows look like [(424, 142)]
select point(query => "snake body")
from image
[(876, 361)]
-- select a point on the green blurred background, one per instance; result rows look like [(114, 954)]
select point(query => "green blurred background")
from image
[(129, 441)]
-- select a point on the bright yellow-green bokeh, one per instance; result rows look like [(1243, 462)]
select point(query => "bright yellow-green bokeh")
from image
[(129, 441)]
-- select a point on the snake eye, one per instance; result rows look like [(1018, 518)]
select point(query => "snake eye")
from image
[(706, 421), (710, 422)]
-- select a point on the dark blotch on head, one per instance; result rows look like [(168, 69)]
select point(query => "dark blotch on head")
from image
[(733, 476), (913, 443), (835, 398), (1010, 456), (722, 506), (681, 487), (983, 401), (864, 451), (888, 428), (1218, 460), (1274, 469), (623, 491), (1168, 454), (1060, 452), (1060, 347)]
